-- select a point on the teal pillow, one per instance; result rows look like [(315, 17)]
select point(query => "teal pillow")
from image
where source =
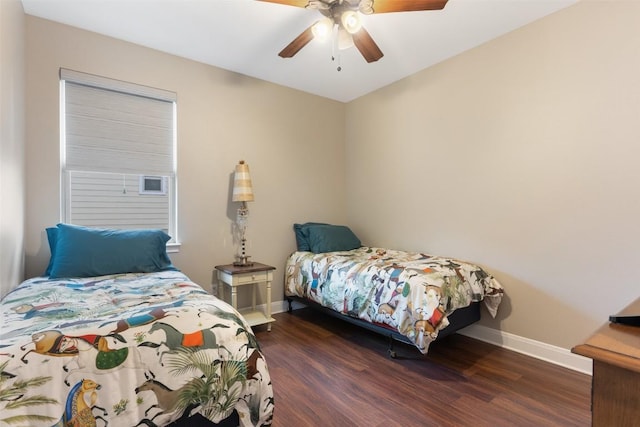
[(86, 252), (331, 238), (52, 238), (302, 241)]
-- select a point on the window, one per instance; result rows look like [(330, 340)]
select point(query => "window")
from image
[(118, 161)]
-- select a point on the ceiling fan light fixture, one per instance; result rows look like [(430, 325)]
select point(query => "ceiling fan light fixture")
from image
[(351, 21), (322, 29)]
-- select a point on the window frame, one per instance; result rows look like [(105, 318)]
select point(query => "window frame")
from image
[(170, 183)]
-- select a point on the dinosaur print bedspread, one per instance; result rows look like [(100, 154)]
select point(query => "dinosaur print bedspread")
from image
[(409, 292), (127, 350)]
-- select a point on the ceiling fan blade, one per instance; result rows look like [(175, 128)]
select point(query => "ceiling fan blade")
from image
[(367, 47), (297, 3), (298, 43), (386, 6)]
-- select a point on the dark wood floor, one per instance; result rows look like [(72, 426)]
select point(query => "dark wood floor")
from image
[(326, 372)]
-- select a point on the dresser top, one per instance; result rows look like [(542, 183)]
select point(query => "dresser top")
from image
[(614, 343)]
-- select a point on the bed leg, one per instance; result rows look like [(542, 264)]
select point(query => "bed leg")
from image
[(390, 350), (290, 309)]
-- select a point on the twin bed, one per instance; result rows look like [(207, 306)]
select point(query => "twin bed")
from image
[(92, 344), (408, 296)]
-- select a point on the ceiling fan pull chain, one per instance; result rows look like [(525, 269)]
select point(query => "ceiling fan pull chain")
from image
[(335, 47), (334, 42)]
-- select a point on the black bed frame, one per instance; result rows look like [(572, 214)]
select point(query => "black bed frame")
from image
[(459, 319)]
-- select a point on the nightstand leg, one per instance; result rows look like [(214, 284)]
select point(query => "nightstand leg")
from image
[(253, 300), (268, 304), (234, 297)]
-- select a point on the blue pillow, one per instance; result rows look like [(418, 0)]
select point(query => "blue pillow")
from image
[(331, 238), (52, 237), (86, 252), (302, 242)]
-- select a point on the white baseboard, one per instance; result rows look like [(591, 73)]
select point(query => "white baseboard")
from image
[(539, 350), (549, 353)]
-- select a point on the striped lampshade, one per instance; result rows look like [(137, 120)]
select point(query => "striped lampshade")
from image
[(242, 189)]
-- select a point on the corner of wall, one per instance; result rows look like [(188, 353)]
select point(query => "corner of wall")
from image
[(12, 141)]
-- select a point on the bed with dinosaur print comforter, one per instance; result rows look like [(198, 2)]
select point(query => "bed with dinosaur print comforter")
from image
[(410, 293), (127, 350)]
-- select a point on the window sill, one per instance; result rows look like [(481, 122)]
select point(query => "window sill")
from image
[(173, 247)]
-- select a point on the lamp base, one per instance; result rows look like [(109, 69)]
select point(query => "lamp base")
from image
[(243, 261)]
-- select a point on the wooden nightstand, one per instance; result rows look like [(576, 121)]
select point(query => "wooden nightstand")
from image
[(234, 277)]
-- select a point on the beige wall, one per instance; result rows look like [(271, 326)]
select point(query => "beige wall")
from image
[(12, 181), (520, 155), (296, 160)]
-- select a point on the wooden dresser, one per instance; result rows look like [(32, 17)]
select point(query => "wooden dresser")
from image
[(615, 393)]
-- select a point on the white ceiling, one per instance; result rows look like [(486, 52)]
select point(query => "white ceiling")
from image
[(245, 36)]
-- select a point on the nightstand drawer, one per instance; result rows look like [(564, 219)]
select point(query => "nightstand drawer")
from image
[(260, 276)]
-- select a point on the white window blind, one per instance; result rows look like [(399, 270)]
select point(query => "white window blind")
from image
[(114, 126), (114, 132)]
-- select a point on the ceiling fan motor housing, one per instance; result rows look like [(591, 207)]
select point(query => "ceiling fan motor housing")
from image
[(343, 13)]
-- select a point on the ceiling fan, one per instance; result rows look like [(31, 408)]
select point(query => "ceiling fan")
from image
[(343, 14)]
